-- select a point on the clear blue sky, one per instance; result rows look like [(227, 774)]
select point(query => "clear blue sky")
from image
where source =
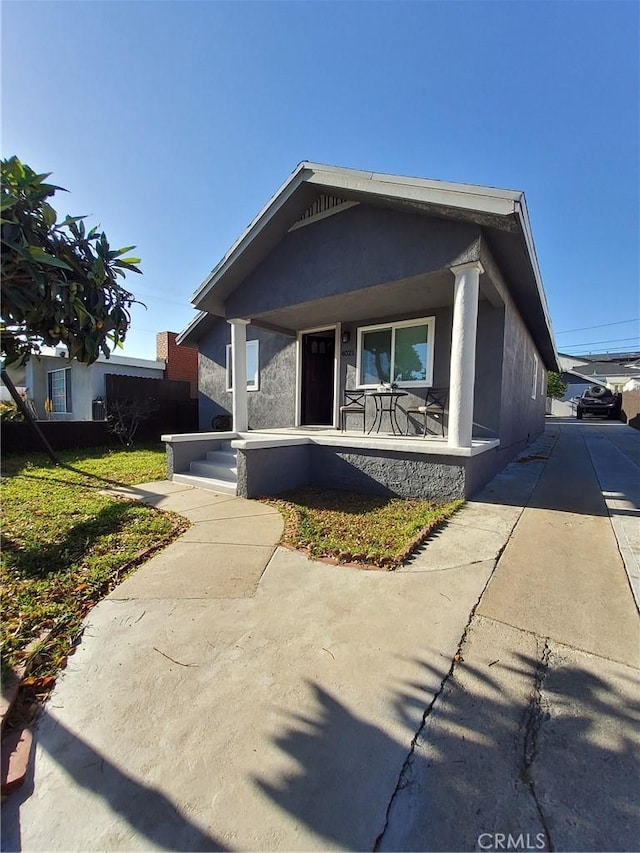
[(172, 123)]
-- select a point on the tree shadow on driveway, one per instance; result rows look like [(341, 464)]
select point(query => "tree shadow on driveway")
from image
[(554, 757)]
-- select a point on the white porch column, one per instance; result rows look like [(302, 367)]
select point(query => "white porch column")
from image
[(239, 374), (462, 370)]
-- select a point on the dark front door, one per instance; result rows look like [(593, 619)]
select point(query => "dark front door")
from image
[(318, 364)]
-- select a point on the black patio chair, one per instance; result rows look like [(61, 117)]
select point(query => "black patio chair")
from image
[(354, 404), (435, 406)]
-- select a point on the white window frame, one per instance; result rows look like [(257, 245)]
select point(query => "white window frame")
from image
[(66, 371), (534, 382), (429, 322), (256, 376)]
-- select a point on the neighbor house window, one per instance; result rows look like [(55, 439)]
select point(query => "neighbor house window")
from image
[(534, 378), (253, 366), (59, 390), (396, 352)]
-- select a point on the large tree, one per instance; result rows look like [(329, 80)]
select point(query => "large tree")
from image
[(59, 281)]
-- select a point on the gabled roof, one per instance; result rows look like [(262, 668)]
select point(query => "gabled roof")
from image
[(607, 368), (501, 213), (610, 357), (590, 380)]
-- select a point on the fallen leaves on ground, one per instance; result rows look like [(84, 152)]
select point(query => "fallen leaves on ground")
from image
[(65, 546), (353, 528)]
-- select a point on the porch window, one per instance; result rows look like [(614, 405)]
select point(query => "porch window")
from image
[(253, 366), (59, 390), (396, 352)]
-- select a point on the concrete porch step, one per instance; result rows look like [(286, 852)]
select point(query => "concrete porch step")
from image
[(217, 470), (227, 487), (225, 456)]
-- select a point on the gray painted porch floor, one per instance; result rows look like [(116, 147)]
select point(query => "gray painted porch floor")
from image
[(415, 443)]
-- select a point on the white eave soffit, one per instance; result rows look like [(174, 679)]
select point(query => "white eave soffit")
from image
[(444, 193)]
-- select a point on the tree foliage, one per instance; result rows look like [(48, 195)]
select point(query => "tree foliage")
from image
[(556, 386), (59, 281)]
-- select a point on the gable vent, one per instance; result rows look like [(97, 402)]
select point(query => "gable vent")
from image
[(324, 205)]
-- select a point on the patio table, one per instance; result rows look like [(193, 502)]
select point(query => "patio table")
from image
[(386, 402)]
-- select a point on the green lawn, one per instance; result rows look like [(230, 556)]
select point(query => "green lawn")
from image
[(352, 528), (64, 545)]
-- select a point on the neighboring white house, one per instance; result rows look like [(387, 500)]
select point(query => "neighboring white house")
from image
[(71, 386), (613, 372), (581, 372), (615, 376), (576, 385)]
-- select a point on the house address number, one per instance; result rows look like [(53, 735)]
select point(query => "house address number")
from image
[(348, 352)]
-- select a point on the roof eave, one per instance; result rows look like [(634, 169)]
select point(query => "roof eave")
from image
[(188, 334), (590, 380), (552, 362), (462, 196), (276, 201), (465, 197)]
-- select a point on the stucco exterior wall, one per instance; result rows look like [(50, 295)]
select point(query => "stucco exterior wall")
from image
[(342, 256), (489, 357), (359, 248), (406, 475), (521, 416), (489, 365), (273, 470), (273, 405)]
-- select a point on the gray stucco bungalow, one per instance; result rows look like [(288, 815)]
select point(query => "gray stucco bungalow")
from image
[(348, 280)]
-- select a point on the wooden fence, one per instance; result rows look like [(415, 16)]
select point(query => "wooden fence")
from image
[(173, 412), (631, 408)]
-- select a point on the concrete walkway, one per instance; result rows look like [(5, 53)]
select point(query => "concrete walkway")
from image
[(230, 695), (222, 555), (536, 730)]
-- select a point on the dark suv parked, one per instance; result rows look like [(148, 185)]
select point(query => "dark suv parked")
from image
[(598, 401)]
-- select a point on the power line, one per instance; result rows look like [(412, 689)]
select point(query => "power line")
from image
[(184, 302), (608, 355), (596, 343), (601, 326)]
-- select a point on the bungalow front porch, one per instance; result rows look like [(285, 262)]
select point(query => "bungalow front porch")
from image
[(269, 462), (358, 343), (350, 282)]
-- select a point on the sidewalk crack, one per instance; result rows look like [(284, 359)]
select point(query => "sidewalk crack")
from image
[(534, 716), (406, 766), (402, 778)]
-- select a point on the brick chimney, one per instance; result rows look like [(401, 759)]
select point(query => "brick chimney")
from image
[(181, 361)]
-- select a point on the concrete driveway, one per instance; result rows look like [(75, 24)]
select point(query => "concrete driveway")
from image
[(534, 742), (231, 695)]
